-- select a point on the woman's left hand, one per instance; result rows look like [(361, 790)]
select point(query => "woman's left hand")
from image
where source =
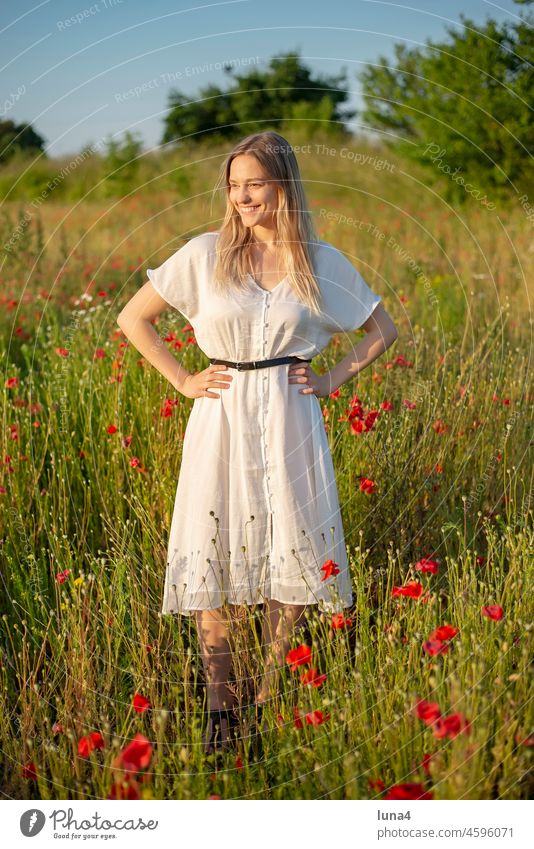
[(319, 384)]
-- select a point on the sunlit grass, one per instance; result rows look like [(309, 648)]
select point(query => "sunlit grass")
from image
[(91, 454)]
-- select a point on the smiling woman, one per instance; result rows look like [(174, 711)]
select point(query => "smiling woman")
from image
[(256, 516)]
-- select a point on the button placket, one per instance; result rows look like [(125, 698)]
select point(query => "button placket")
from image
[(264, 407)]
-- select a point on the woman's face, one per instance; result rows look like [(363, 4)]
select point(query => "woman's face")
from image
[(252, 193)]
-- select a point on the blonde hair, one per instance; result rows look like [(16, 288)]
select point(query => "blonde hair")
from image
[(294, 230)]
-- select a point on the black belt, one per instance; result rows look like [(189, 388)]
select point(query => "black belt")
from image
[(258, 363)]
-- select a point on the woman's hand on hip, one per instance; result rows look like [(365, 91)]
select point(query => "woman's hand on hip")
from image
[(201, 385), (318, 384)]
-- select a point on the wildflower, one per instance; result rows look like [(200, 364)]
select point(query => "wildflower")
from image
[(140, 703), (425, 763), (61, 577), (339, 621), (429, 712), (493, 611), (111, 428), (408, 791), (412, 589), (29, 771), (452, 725), (125, 789), (135, 756), (434, 647), (376, 784), (444, 632), (91, 741), (298, 657), (427, 565), (311, 678), (330, 569), (367, 485), (316, 717)]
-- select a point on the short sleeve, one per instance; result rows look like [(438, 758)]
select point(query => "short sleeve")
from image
[(348, 300), (179, 278)]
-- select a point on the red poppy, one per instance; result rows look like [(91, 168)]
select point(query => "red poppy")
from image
[(136, 755), (412, 589), (330, 569), (11, 382), (339, 621), (140, 703), (376, 784), (427, 565), (298, 657), (316, 717), (238, 762), (425, 763), (297, 721), (311, 678), (444, 632), (91, 741), (29, 771), (434, 647), (429, 712), (493, 611), (408, 791), (452, 725), (61, 577), (125, 789), (367, 485), (111, 428)]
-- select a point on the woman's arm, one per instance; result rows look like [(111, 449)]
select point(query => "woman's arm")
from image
[(380, 333), (135, 322)]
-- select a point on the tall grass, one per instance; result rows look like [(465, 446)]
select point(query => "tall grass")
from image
[(449, 455)]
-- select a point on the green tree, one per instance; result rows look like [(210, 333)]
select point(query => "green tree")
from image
[(16, 138), (468, 98), (122, 161), (259, 100)]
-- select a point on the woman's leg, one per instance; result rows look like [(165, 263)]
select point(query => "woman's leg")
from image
[(213, 635), (279, 623)]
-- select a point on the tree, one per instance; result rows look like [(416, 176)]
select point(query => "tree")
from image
[(18, 137), (122, 160), (259, 100), (468, 97)]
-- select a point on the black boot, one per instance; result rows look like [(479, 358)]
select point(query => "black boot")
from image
[(222, 731)]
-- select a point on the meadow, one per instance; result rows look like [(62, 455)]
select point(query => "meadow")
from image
[(427, 687)]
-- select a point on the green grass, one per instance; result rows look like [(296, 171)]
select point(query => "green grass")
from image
[(453, 479)]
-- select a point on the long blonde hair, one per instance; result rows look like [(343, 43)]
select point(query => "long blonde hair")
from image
[(294, 230)]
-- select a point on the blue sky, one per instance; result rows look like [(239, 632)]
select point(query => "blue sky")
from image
[(69, 66)]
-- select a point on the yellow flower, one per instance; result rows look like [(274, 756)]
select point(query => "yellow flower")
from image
[(78, 581)]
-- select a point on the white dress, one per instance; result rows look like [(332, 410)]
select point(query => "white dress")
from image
[(256, 513)]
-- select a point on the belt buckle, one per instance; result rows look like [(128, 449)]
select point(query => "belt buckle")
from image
[(239, 366)]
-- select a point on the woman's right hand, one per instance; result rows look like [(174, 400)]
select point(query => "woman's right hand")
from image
[(199, 385)]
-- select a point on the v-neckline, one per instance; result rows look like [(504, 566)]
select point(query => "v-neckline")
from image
[(267, 291)]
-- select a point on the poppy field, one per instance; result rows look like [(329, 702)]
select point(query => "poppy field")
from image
[(423, 688)]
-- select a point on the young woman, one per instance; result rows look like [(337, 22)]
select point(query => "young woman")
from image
[(256, 517)]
